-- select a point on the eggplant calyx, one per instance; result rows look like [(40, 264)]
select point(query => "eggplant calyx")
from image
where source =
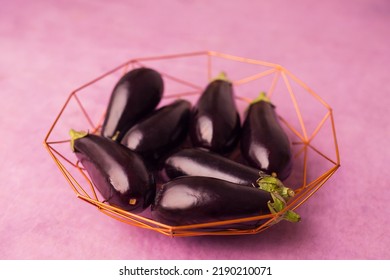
[(272, 184), (291, 216), (221, 77), (74, 135), (262, 97), (278, 205)]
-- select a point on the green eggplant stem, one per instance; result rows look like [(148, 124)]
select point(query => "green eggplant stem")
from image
[(280, 194), (278, 205), (221, 77), (272, 184), (291, 216), (74, 135), (262, 97)]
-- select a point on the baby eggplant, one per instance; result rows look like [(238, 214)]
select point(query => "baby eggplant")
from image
[(215, 121), (118, 173), (198, 162), (135, 95), (160, 132), (264, 143), (196, 199)]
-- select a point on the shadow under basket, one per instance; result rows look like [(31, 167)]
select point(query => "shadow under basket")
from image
[(305, 116)]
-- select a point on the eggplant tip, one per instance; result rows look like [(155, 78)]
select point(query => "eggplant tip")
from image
[(262, 97), (222, 76), (74, 135)]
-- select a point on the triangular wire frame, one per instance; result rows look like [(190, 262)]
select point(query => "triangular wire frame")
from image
[(276, 80)]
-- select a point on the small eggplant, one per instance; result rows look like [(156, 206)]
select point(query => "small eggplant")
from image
[(264, 143), (215, 122), (160, 132), (135, 95), (196, 199), (118, 173), (198, 162)]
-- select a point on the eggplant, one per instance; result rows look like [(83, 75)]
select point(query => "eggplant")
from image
[(215, 121), (161, 132), (135, 95), (198, 162), (264, 144), (119, 174), (196, 199)]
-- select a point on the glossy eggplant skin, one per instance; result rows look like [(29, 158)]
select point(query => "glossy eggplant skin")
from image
[(160, 132), (119, 174), (196, 199), (134, 96), (199, 162), (215, 122), (264, 144)]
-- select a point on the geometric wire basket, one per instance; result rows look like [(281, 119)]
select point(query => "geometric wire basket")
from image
[(307, 119)]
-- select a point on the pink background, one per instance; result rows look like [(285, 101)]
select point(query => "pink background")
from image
[(48, 48)]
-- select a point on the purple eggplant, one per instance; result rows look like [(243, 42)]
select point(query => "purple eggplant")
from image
[(195, 199), (264, 143), (134, 96), (161, 132), (118, 173), (215, 122), (198, 162)]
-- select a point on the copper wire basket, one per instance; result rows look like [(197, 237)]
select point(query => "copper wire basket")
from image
[(307, 119)]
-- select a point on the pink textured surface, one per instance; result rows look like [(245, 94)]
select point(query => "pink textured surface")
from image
[(48, 48)]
